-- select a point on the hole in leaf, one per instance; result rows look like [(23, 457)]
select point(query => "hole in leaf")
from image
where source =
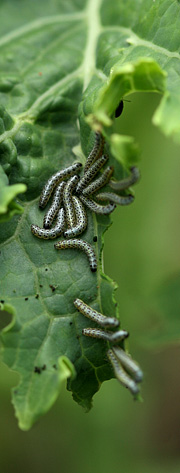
[(5, 319)]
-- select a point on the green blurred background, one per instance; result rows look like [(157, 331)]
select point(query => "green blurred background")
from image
[(142, 253)]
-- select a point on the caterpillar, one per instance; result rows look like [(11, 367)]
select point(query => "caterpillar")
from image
[(91, 173), (113, 337), (96, 151), (117, 199), (100, 182), (56, 179), (67, 200), (98, 209), (79, 245), (121, 374), (127, 182), (129, 364), (94, 315), (57, 230), (81, 218), (56, 204)]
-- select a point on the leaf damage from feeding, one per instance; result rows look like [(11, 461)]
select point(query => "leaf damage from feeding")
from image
[(64, 70)]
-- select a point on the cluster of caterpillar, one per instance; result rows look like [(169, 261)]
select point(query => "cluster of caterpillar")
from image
[(126, 370), (71, 197)]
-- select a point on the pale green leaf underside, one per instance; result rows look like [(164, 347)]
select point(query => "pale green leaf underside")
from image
[(49, 56)]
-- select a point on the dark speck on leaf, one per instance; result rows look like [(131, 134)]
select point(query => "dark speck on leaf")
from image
[(40, 285), (37, 370), (46, 269), (43, 367), (78, 337), (15, 391), (55, 367), (53, 288), (95, 238), (116, 304), (2, 302), (26, 299), (37, 296), (70, 323)]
